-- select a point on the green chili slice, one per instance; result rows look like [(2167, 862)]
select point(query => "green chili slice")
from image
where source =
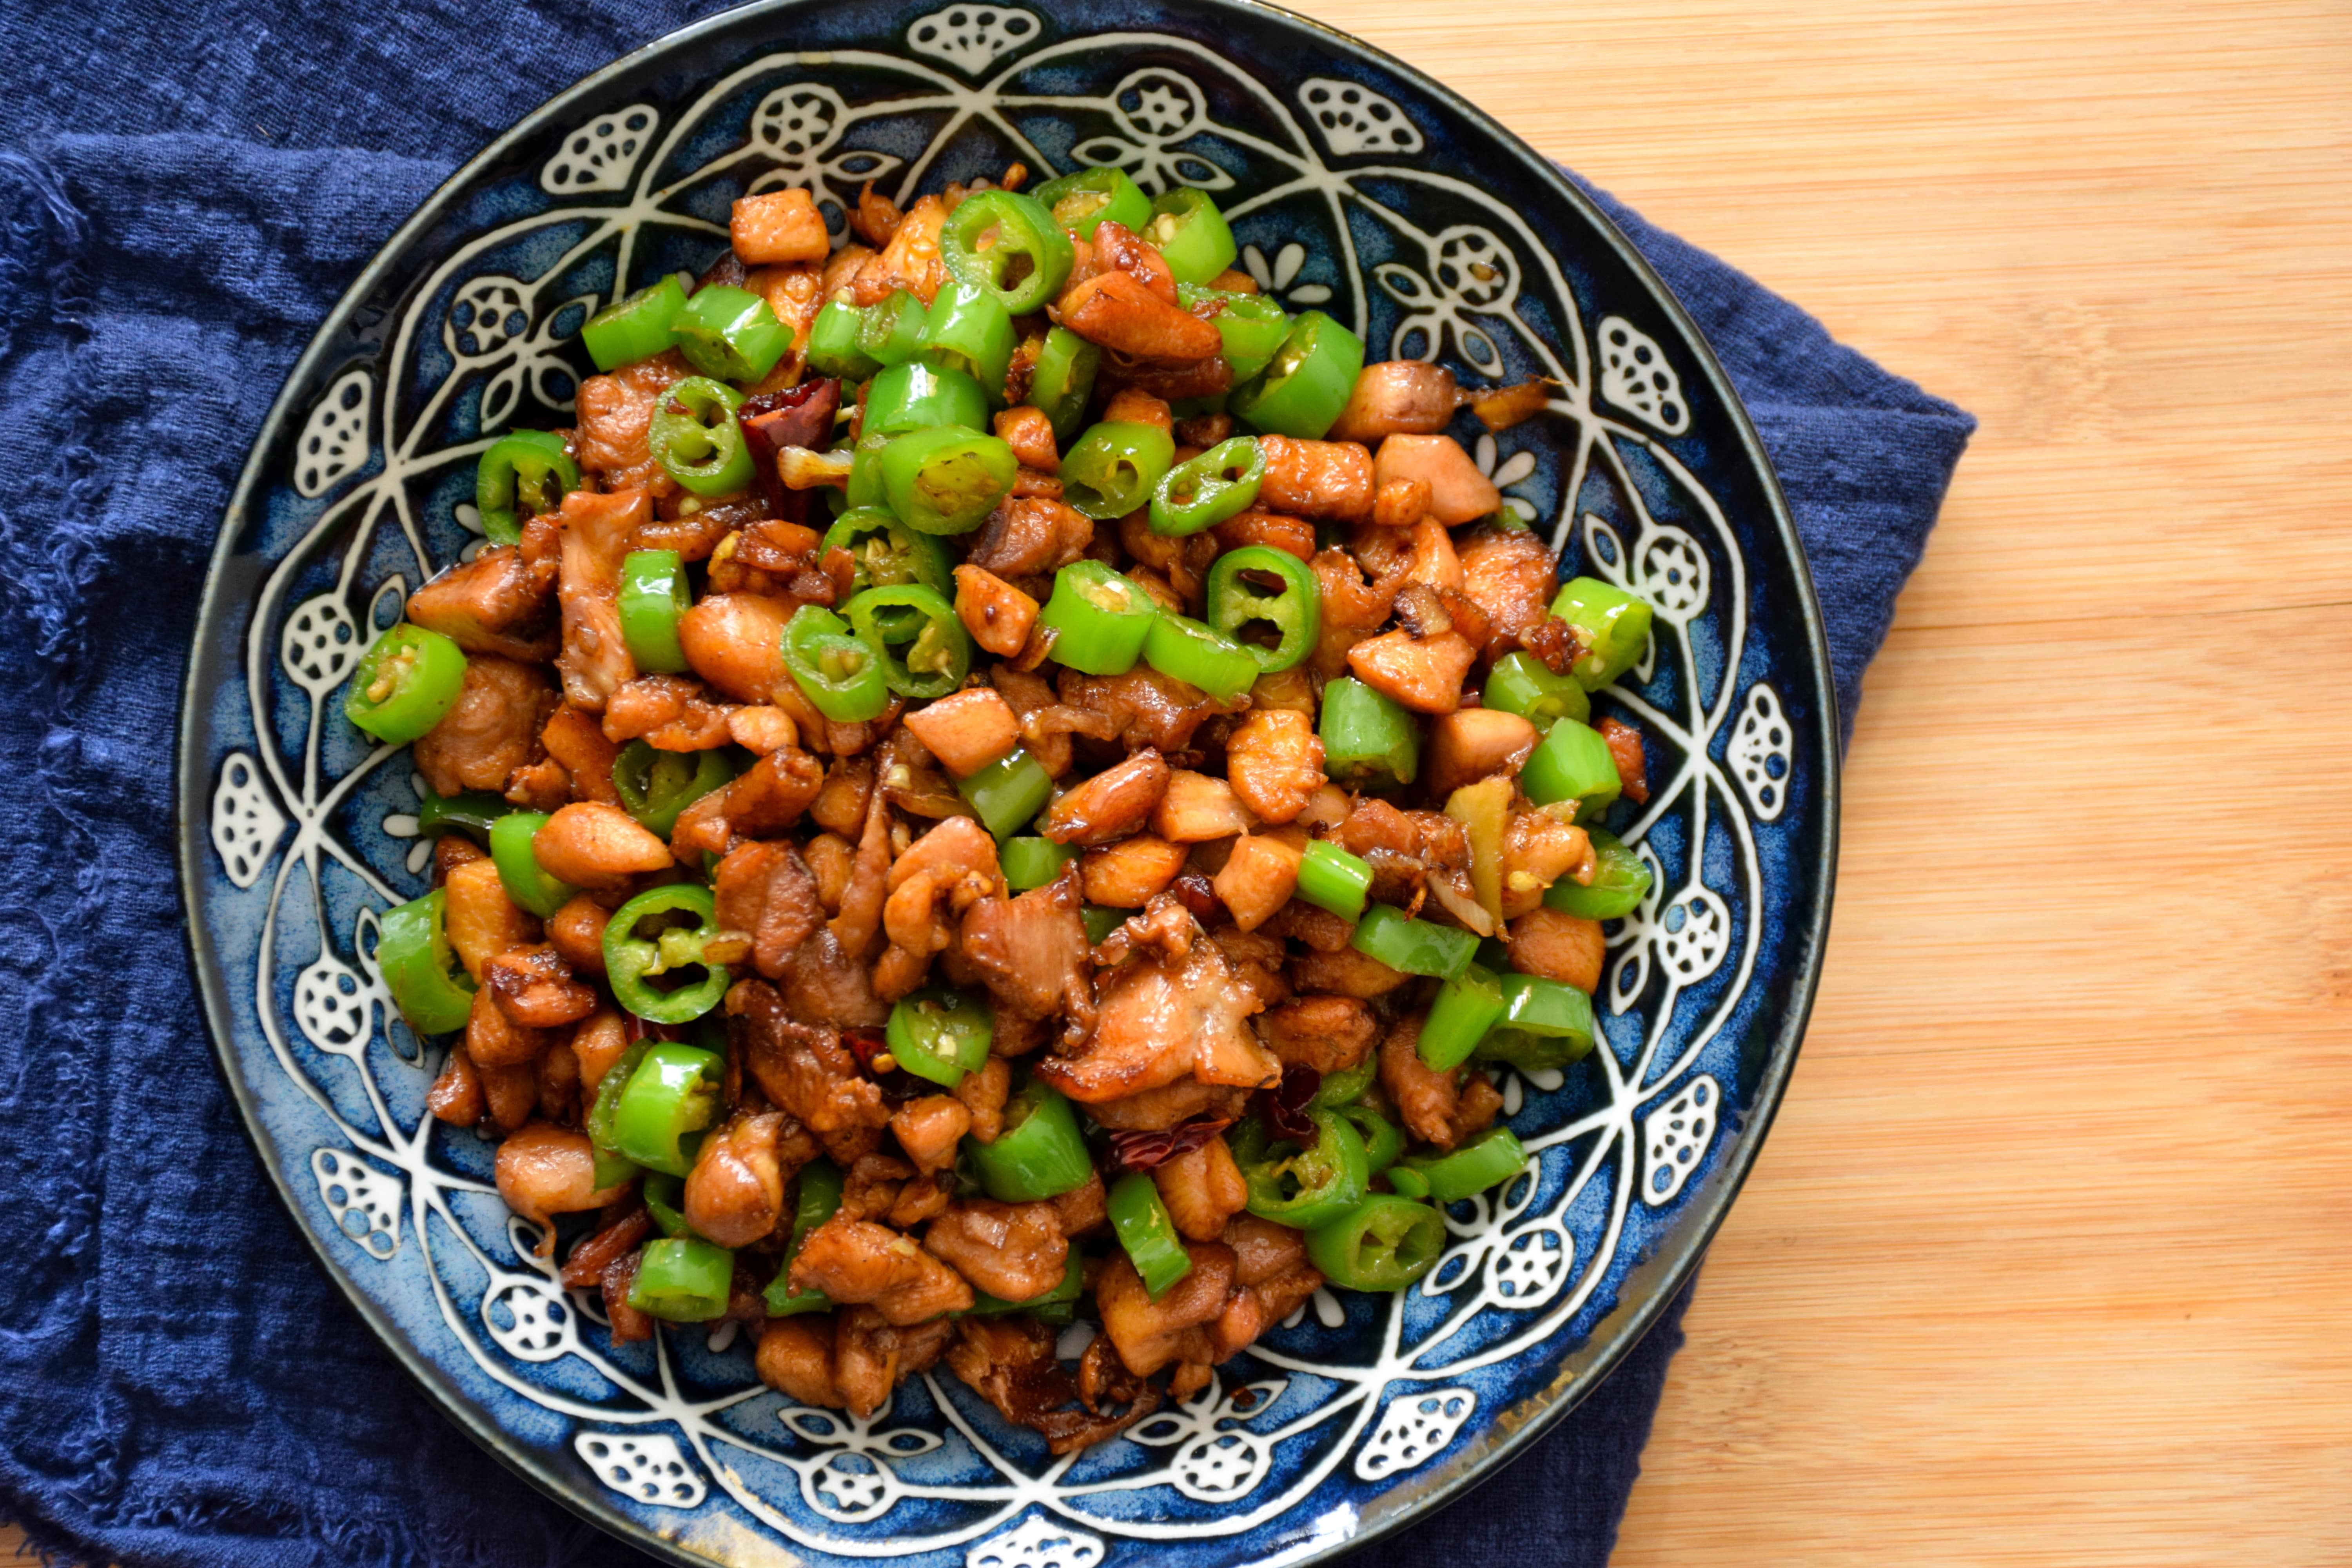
[(1099, 619), (731, 334), (1148, 1234), (1369, 739), (523, 475), (472, 814), (656, 786), (1191, 234), (1184, 649), (1242, 599), (1303, 388), (1384, 1243), (1299, 1187), (1520, 683), (671, 1095), (1007, 246), (604, 1111), (1203, 492), (892, 330), (1487, 1161), (1383, 1140), (1063, 380), (664, 1199), (1039, 1155), (1416, 947), (406, 680), (816, 1199), (969, 330), (1100, 922), (938, 649), (1254, 327), (1544, 1024), (865, 492), (636, 328), (653, 597), (1008, 793), (940, 1034), (420, 968), (887, 554), (948, 478), (1331, 878), (1620, 881), (916, 396), (1112, 469), (520, 873), (1032, 862), (1344, 1087), (843, 675), (683, 1279), (832, 346), (695, 439), (1083, 201), (668, 948), (1467, 1006), (1613, 626), (1573, 762)]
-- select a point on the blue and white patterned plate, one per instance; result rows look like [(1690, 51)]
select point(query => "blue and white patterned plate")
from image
[(1355, 185)]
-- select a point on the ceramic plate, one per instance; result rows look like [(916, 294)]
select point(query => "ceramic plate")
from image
[(1354, 185)]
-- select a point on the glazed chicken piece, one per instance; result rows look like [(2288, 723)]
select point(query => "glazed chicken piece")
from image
[(491, 730), (669, 712), (1158, 1109), (1033, 954), (1202, 1188), (767, 799), (929, 1130), (532, 986), (1143, 708), (1507, 574), (823, 980), (493, 604), (1439, 1108), (1015, 1252), (911, 258), (735, 1192), (1271, 1279), (1329, 1033), (856, 1262), (1166, 1017), (597, 533), (1010, 1362), (806, 1070), (1027, 536), (544, 1170), (849, 1359), (616, 414), (1150, 1334), (765, 892), (1115, 803)]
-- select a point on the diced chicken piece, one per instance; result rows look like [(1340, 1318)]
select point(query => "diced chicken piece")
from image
[(1429, 1101), (1120, 311), (481, 921), (495, 1042), (616, 417), (967, 731), (598, 530), (999, 615), (823, 980), (1471, 743), (1144, 706), (859, 1262), (761, 727), (1291, 535), (1274, 761), (576, 738), (1424, 674), (1164, 1019), (1027, 536), (1632, 762), (1198, 808), (532, 986), (600, 1041), (735, 1193), (1400, 503), (1012, 1251), (456, 1096), (493, 604), (983, 1094), (1032, 952), (490, 731), (870, 1187), (1345, 973), (1329, 1033), (590, 844), (669, 712), (795, 1359), (767, 799), (1202, 1188), (806, 1070), (1272, 1278), (1397, 398), (1258, 879), (1458, 492), (1509, 574), (544, 1170), (1118, 248), (1315, 479), (910, 261), (1029, 434), (1541, 846), (1559, 946), (780, 226), (928, 1130), (1129, 874), (1148, 1334), (1115, 803), (736, 642), (1158, 1109)]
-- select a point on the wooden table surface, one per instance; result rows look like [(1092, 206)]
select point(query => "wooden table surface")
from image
[(2045, 1262)]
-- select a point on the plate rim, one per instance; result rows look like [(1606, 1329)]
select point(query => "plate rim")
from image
[(1601, 1356)]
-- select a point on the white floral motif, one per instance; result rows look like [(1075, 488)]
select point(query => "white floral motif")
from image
[(1217, 1459), (1471, 272), (649, 1467), (404, 824), (599, 155), (970, 38), (1635, 376), (540, 366), (487, 312), (1761, 753), (1354, 119), (1415, 1430), (1673, 572), (1273, 280), (321, 644), (1674, 1138), (852, 1478), (363, 1200), (796, 126), (334, 1004), (334, 439), (247, 823), (1504, 472), (527, 1317), (1037, 1542), (1159, 109)]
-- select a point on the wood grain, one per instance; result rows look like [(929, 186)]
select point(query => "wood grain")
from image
[(2044, 1262)]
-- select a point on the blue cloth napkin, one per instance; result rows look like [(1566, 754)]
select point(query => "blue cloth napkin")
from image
[(184, 189)]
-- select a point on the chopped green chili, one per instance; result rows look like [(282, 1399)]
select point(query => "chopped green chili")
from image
[(1063, 380), (604, 1113), (865, 492), (938, 648), (1346, 1086), (1331, 878), (1613, 625), (1571, 762), (406, 680), (1384, 1243), (523, 475), (1303, 388), (1008, 793), (1487, 1161), (1383, 1141), (1416, 947), (832, 345), (1240, 600), (1203, 492), (636, 328), (892, 332), (1254, 327), (842, 674), (1148, 1234), (947, 478), (731, 334), (1520, 683), (1467, 1006), (1191, 234), (1185, 650), (1544, 1024), (1008, 244), (1369, 739), (526, 883), (917, 396), (656, 786), (1112, 469), (683, 1279), (634, 958), (887, 554), (653, 597), (420, 969), (1100, 922), (1621, 879), (1306, 1187), (940, 1034), (1032, 862), (969, 330), (471, 813), (671, 1095), (664, 1199), (1099, 619), (1083, 201), (695, 439), (1039, 1155)]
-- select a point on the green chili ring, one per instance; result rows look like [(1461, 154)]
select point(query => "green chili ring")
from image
[(420, 969), (631, 960), (408, 679), (695, 439), (523, 475), (1384, 1243), (938, 650), (1008, 244), (1202, 491), (654, 785), (1295, 610)]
